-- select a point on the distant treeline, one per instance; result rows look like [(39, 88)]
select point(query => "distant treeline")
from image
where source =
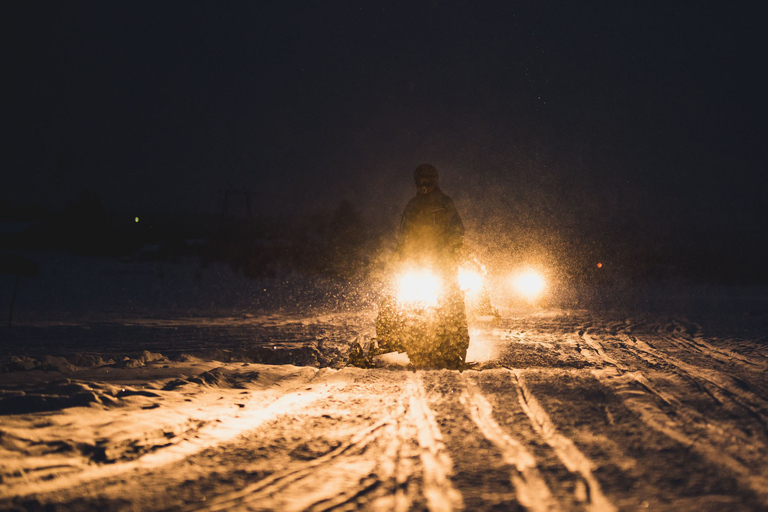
[(342, 242), (336, 242)]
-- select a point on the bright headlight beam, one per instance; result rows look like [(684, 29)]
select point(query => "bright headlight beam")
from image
[(470, 281), (420, 287), (529, 284)]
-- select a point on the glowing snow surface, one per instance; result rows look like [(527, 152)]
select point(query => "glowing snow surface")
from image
[(392, 359), (568, 410)]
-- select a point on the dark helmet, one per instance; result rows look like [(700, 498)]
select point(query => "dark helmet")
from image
[(425, 175)]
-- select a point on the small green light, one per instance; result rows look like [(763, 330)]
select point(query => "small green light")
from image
[(136, 219)]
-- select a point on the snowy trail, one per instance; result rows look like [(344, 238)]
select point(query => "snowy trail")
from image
[(210, 435), (572, 458), (533, 492), (569, 411), (724, 356), (721, 386), (376, 466), (438, 489), (712, 445), (714, 442), (261, 491)]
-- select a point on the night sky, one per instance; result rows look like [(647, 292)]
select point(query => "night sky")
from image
[(626, 117)]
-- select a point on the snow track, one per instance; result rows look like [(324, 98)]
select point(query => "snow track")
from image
[(736, 451), (724, 356), (711, 443), (269, 407), (566, 451), (533, 492), (438, 489), (721, 386), (261, 494), (574, 411), (351, 474)]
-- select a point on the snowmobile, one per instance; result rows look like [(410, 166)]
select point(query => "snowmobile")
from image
[(472, 281), (423, 314)]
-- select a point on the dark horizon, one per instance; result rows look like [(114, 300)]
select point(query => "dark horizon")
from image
[(610, 122)]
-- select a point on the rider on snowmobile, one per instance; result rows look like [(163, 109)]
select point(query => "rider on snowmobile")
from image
[(431, 234), (431, 229)]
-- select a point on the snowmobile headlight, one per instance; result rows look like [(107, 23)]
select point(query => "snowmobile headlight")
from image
[(530, 284), (420, 287), (470, 281)]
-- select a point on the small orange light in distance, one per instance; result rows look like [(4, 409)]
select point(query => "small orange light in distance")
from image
[(599, 265)]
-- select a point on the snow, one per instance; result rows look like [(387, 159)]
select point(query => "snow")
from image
[(167, 394), (392, 359)]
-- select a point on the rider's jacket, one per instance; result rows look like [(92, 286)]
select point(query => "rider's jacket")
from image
[(431, 230)]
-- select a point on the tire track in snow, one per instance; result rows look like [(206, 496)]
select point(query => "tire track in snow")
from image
[(600, 351), (625, 385), (207, 437), (575, 461), (368, 485), (711, 445), (722, 387), (408, 451), (712, 450), (719, 386), (532, 491), (413, 421), (389, 487), (720, 354), (373, 469), (410, 436), (438, 490), (273, 484)]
